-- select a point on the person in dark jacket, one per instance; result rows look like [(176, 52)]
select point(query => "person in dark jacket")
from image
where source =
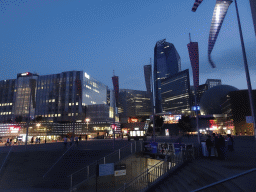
[(222, 147), (209, 145)]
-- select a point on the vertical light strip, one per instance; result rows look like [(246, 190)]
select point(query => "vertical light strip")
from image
[(219, 14)]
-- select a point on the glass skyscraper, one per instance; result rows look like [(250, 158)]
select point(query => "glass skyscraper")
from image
[(166, 63)]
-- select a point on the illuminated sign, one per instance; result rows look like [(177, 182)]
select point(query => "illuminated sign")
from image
[(171, 119), (113, 126), (194, 108), (14, 129), (25, 74), (133, 120), (136, 128)]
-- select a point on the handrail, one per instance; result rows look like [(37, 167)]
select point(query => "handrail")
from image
[(6, 158), (227, 179), (82, 169), (58, 160), (114, 151), (98, 160)]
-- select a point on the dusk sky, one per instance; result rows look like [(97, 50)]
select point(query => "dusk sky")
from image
[(99, 36)]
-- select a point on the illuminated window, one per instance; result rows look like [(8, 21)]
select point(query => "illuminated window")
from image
[(69, 104), (10, 113), (87, 86), (76, 103), (72, 114), (87, 96), (10, 103), (59, 115), (76, 114), (69, 114), (53, 100), (50, 100)]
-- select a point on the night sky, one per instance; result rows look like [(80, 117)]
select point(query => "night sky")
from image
[(99, 36)]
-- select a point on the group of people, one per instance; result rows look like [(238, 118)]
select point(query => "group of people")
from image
[(38, 140), (216, 145), (77, 139)]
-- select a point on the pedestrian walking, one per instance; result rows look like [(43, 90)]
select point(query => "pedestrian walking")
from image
[(65, 141), (36, 140), (76, 140), (71, 141), (39, 140), (45, 141), (32, 140), (216, 145), (86, 137), (80, 137), (222, 155), (209, 145), (8, 142), (230, 143)]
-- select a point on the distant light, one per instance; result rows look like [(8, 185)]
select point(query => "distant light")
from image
[(86, 75)]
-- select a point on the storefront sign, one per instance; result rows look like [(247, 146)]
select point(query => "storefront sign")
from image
[(120, 170), (14, 129)]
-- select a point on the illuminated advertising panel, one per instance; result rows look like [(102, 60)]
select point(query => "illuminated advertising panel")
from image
[(14, 129), (171, 119)]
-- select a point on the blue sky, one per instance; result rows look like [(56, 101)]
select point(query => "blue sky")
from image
[(99, 36)]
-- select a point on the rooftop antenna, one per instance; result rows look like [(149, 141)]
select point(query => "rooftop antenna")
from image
[(113, 72), (189, 38)]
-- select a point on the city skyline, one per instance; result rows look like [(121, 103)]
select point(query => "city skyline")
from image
[(98, 37)]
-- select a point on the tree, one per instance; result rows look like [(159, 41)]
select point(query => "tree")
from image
[(184, 124)]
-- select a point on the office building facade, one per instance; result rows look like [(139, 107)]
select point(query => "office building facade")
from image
[(57, 98), (166, 63), (213, 82), (175, 93), (134, 104)]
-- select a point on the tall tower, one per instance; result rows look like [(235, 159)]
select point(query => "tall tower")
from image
[(166, 63)]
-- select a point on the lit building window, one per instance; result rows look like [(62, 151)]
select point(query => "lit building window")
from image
[(69, 114), (53, 100), (72, 114), (87, 96), (59, 115), (76, 103), (76, 114), (69, 104), (50, 100)]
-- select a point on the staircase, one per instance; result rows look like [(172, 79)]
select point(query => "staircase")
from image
[(71, 162), (203, 172)]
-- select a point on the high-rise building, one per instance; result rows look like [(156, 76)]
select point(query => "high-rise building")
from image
[(213, 82), (7, 91), (148, 77), (166, 63), (134, 104), (175, 93)]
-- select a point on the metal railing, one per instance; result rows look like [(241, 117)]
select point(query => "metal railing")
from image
[(6, 158), (225, 180), (58, 160), (81, 176), (157, 172)]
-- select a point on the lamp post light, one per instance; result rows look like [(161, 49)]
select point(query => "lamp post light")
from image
[(87, 122)]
